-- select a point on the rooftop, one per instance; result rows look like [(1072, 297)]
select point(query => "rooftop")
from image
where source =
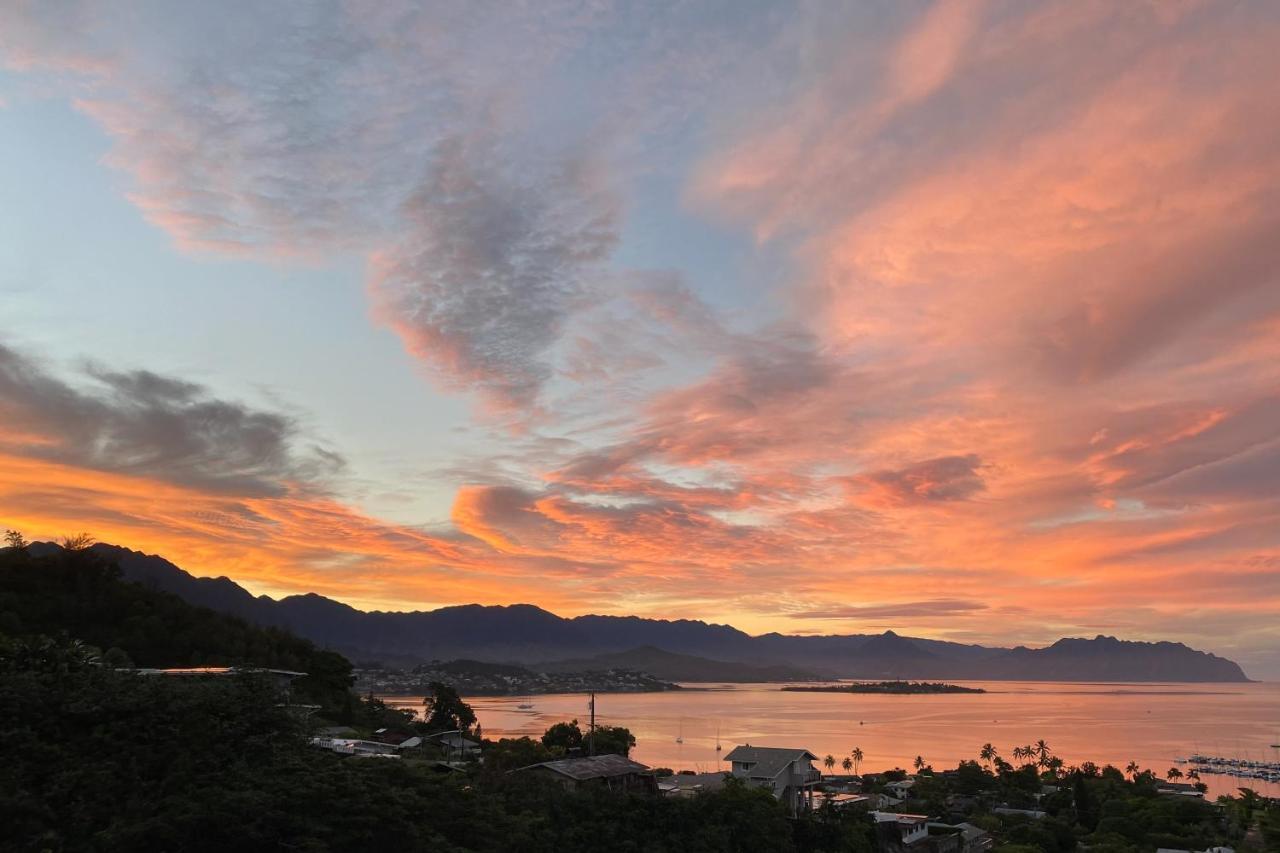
[(767, 761), (592, 767)]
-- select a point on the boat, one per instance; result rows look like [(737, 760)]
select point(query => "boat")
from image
[(680, 736), (718, 746), (524, 707)]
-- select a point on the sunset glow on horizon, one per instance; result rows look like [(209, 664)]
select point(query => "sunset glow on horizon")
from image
[(960, 319)]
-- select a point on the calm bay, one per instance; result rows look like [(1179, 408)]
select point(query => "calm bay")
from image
[(1153, 724)]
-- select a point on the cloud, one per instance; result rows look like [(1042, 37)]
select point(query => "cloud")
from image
[(903, 610), (1020, 331), (471, 153), (409, 136), (492, 264), (947, 478), (148, 425)]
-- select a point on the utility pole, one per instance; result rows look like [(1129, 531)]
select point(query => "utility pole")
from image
[(591, 736)]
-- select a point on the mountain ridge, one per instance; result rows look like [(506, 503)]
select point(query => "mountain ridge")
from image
[(526, 633)]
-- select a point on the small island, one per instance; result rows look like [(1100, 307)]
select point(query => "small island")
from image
[(894, 687)]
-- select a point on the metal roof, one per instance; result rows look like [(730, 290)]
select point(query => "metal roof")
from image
[(592, 767)]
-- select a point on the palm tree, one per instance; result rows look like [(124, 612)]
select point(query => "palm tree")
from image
[(919, 763), (857, 758), (847, 764), (1018, 754), (1042, 751), (1133, 769), (830, 761), (987, 753), (1174, 773), (1193, 774)]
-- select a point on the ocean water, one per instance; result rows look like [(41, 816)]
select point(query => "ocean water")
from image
[(1152, 724)]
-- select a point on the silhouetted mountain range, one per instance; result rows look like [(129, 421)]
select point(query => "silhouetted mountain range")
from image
[(523, 633)]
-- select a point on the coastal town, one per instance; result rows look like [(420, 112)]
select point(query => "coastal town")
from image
[(1034, 802), (477, 678)]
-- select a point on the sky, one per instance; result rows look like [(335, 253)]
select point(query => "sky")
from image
[(960, 319)]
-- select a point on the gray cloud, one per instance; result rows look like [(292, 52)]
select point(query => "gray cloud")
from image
[(491, 266), (144, 424), (947, 478), (416, 135), (904, 610)]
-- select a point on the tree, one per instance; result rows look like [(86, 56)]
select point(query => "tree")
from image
[(445, 710), (847, 764), (1174, 773), (1086, 804), (76, 542), (513, 753), (830, 761), (857, 759), (613, 740), (1132, 769), (563, 737), (1042, 751), (14, 539), (918, 763), (987, 753)]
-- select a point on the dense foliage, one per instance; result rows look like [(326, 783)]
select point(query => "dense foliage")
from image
[(100, 757), (76, 593), (110, 760)]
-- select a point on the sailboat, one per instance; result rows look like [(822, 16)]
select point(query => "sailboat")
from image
[(718, 746), (680, 736)]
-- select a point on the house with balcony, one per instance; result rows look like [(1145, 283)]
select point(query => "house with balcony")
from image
[(788, 773)]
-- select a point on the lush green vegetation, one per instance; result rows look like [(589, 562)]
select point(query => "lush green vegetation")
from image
[(75, 594), (98, 759), (1085, 807)]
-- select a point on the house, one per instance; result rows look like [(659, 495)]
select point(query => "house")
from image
[(614, 772), (888, 801), (898, 832), (356, 748), (969, 838), (788, 773), (844, 800), (690, 784), (454, 744), (901, 789)]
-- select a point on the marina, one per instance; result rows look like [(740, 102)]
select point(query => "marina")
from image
[(1240, 768)]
